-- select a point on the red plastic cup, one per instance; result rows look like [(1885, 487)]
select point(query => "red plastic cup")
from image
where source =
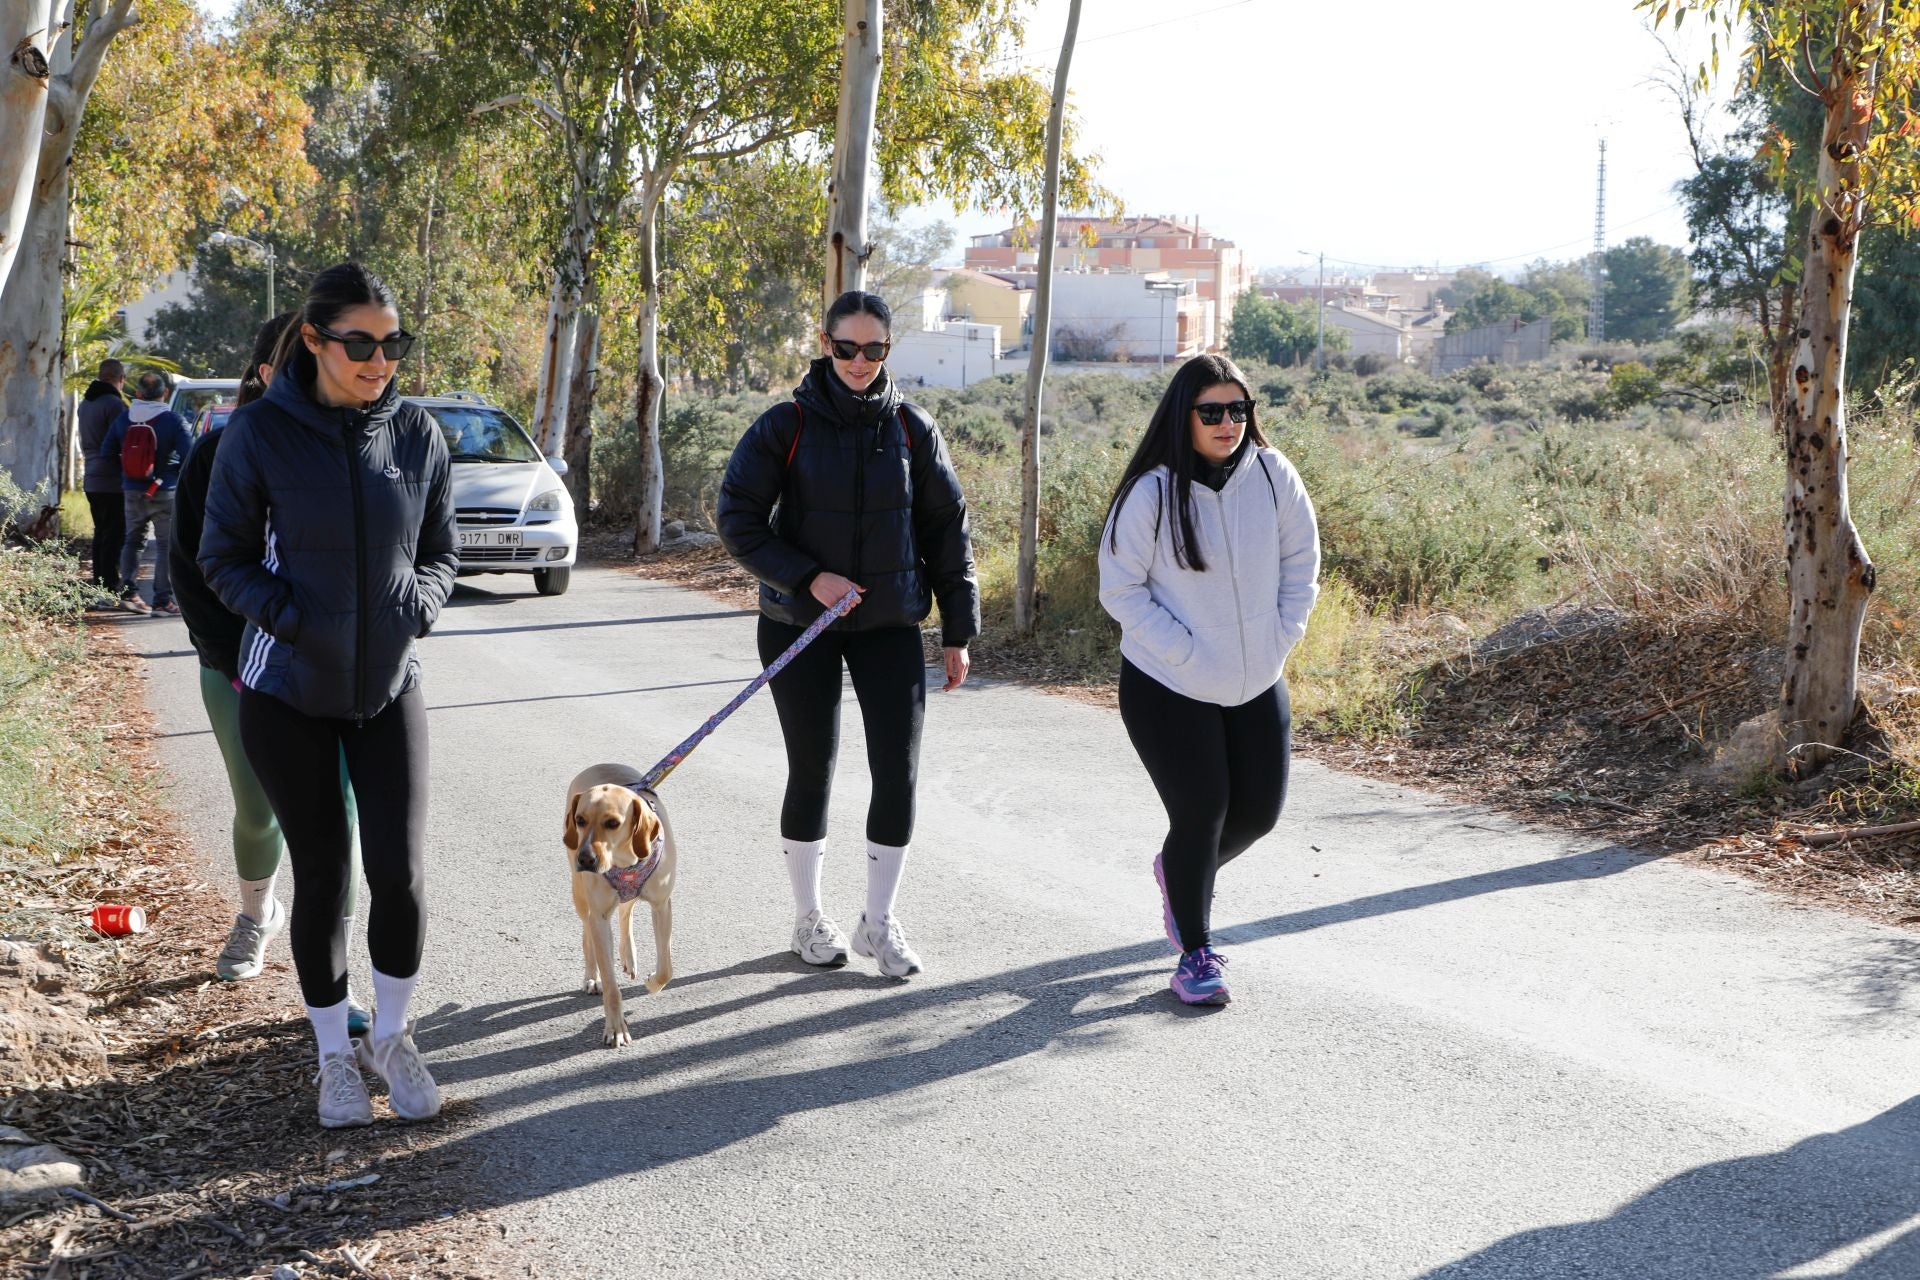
[(114, 920)]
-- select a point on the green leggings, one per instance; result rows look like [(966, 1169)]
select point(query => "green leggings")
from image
[(256, 835)]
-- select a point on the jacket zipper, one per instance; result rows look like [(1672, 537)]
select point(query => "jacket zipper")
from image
[(1233, 576), (859, 501), (359, 577)]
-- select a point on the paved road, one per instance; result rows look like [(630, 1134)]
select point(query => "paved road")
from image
[(1459, 1047)]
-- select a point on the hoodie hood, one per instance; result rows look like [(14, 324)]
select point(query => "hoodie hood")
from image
[(822, 393), (146, 410), (99, 389), (290, 397)]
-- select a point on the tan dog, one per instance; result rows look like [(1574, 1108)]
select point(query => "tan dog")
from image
[(611, 826)]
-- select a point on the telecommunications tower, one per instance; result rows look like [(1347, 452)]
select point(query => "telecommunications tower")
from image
[(1597, 269)]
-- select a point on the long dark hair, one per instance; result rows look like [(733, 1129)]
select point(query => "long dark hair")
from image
[(1169, 443), (266, 345), (334, 292)]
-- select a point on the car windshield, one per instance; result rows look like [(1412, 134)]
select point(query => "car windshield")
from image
[(478, 433)]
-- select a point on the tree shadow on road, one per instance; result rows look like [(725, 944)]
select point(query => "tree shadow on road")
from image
[(1847, 1201)]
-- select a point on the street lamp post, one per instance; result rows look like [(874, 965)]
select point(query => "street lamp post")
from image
[(1163, 288), (1320, 316), (225, 238)]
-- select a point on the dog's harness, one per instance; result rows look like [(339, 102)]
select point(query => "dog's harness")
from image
[(627, 882), (653, 777)]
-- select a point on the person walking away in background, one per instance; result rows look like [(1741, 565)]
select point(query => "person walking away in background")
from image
[(1209, 563), (329, 528), (215, 633), (150, 442), (849, 488), (104, 401)]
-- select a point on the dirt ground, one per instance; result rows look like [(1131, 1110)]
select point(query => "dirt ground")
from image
[(200, 1146), (1588, 721)]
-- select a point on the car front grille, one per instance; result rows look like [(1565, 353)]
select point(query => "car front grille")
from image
[(498, 555), (485, 515)]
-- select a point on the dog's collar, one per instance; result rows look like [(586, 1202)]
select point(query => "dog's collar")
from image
[(627, 882)]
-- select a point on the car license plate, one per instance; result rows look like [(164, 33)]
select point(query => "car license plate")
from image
[(489, 537)]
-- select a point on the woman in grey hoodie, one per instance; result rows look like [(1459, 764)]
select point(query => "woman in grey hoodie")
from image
[(1208, 563)]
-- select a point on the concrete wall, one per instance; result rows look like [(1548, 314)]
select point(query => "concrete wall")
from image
[(984, 303), (953, 354), (1510, 342)]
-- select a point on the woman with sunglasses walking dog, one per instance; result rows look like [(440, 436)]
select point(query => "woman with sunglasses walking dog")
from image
[(1208, 563), (849, 488), (329, 528)]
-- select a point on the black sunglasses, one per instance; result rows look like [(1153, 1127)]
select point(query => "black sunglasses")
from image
[(1210, 414), (874, 351), (361, 348)]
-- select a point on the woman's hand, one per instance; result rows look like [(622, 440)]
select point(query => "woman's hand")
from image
[(958, 664), (828, 588)]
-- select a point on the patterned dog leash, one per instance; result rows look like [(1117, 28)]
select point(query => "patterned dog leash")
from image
[(658, 774)]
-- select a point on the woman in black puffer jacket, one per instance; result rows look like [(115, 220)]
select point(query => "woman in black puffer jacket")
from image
[(329, 528), (849, 488)]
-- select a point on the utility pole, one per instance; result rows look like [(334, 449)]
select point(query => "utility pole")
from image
[(1320, 320), (1597, 307)]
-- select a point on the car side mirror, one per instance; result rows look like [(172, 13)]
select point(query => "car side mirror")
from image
[(559, 465)]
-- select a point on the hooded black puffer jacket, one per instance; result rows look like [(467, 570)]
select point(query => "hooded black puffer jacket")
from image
[(859, 485), (331, 532)]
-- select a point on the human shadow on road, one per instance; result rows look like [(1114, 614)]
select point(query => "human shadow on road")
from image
[(640, 1119), (1752, 1216)]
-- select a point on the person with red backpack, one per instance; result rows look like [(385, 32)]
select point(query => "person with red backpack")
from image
[(151, 442), (849, 488)]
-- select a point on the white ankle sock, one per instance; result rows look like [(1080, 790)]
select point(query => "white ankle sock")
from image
[(885, 862), (390, 996), (256, 899), (329, 1027), (803, 872)]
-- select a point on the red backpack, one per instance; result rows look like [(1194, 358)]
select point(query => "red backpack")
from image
[(137, 450)]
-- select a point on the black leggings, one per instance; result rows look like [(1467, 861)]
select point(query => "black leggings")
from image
[(890, 680), (1221, 773), (297, 759)]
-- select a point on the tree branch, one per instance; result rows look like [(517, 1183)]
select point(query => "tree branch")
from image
[(540, 105)]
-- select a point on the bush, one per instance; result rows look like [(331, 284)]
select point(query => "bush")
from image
[(1631, 384)]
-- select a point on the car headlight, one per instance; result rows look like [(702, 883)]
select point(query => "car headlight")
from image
[(551, 500)]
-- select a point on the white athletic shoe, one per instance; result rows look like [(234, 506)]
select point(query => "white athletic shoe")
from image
[(886, 943), (343, 1093), (818, 940), (411, 1091), (246, 951)]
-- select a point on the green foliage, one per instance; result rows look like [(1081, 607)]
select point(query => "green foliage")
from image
[(1646, 290), (1631, 384), (1274, 332), (1555, 291)]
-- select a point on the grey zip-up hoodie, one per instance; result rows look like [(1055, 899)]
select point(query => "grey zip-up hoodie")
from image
[(1222, 635)]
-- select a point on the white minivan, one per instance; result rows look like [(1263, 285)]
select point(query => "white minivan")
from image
[(511, 513)]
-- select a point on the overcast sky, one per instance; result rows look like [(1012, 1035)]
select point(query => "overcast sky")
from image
[(1387, 133), (1394, 132)]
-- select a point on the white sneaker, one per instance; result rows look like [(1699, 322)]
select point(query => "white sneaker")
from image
[(818, 940), (886, 943), (343, 1093), (246, 951), (411, 1091)]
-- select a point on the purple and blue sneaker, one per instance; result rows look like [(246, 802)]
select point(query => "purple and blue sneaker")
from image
[(1201, 977), (1166, 906)]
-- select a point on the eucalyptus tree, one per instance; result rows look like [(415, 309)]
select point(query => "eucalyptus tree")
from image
[(1859, 61)]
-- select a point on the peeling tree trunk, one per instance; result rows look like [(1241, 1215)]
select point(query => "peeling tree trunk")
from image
[(556, 362), (847, 245), (649, 385), (32, 302), (586, 379), (26, 34), (1026, 569), (1829, 576)]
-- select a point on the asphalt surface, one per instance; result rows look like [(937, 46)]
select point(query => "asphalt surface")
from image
[(1458, 1047)]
